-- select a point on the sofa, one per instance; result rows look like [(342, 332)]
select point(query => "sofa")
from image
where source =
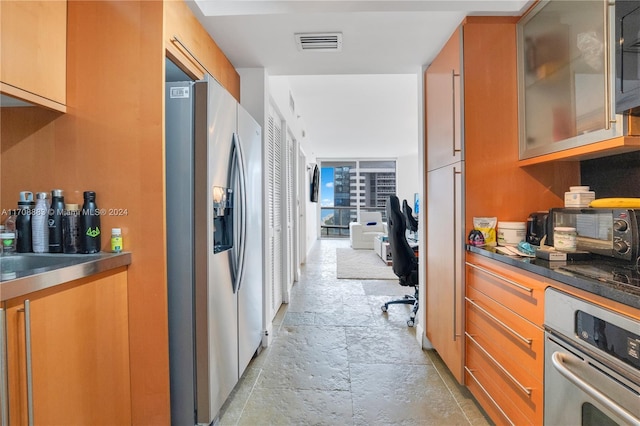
[(363, 232)]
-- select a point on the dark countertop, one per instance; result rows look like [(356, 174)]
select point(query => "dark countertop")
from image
[(619, 292)]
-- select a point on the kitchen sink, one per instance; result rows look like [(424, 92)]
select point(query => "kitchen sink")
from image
[(36, 263), (24, 273)]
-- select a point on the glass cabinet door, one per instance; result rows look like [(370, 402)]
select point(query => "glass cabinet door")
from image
[(564, 76)]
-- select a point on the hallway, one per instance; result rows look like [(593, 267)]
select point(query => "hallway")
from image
[(336, 359)]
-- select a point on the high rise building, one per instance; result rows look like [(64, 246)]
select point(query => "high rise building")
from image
[(362, 184), (371, 187)]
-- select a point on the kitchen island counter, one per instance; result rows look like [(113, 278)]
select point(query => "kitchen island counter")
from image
[(573, 273)]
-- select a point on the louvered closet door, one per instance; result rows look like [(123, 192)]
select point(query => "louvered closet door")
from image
[(303, 184), (290, 211), (275, 210)]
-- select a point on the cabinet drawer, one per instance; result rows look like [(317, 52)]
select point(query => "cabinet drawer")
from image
[(519, 405), (477, 384), (513, 341), (518, 290), (522, 403)]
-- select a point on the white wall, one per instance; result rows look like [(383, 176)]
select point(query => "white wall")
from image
[(363, 117), (256, 88), (408, 181), (253, 86)]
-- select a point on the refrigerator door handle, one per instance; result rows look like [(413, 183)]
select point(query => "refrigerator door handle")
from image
[(233, 178), (239, 160)]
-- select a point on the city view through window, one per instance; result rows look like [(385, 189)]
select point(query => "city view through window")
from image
[(348, 187)]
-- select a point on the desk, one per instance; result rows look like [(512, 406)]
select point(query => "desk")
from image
[(382, 249)]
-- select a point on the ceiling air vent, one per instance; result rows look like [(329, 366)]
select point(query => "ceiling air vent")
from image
[(319, 42)]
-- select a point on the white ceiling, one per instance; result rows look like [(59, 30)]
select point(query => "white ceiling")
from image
[(370, 115), (380, 38)]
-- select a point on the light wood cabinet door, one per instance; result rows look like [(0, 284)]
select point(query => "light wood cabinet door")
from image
[(444, 105), (78, 352), (444, 296), (33, 47)]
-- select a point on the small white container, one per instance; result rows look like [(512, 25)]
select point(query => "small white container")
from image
[(8, 242), (511, 233), (578, 196), (564, 238)]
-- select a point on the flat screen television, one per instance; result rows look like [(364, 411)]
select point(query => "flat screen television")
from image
[(315, 184)]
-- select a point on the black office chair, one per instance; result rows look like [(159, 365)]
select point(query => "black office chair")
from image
[(405, 262), (412, 223)]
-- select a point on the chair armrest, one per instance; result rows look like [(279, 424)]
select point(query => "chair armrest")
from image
[(355, 228)]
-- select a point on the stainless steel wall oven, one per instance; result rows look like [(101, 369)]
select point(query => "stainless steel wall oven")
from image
[(592, 364)]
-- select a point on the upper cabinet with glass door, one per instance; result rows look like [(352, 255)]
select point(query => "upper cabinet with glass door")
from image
[(566, 79)]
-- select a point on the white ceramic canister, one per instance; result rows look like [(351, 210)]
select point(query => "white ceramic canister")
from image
[(578, 196), (564, 238), (511, 233)]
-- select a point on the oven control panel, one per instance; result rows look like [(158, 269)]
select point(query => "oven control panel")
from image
[(608, 337)]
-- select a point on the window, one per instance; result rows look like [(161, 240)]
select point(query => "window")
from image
[(348, 187)]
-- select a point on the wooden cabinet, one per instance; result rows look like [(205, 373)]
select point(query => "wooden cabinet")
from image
[(192, 49), (483, 52), (443, 105), (444, 265), (33, 46), (470, 104), (504, 361), (445, 223), (68, 353)]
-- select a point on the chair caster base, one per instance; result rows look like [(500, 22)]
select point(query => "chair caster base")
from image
[(384, 307), (411, 323)]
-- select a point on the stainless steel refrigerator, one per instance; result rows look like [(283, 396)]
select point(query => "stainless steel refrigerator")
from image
[(214, 246)]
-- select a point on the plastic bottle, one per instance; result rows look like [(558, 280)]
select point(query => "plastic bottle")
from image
[(40, 225), (8, 234), (116, 240), (23, 222), (71, 228), (10, 222), (90, 224)]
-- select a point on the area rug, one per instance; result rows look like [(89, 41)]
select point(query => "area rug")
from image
[(362, 264)]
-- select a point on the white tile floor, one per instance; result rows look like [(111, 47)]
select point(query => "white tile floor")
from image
[(336, 359)]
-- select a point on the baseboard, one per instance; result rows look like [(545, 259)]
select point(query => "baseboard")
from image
[(419, 333), (267, 336), (421, 337)]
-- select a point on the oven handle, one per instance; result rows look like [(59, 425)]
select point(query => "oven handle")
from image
[(558, 359)]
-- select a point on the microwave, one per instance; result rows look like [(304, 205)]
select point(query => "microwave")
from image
[(627, 46), (604, 231)]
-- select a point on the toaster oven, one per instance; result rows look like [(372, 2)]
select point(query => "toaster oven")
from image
[(604, 231)]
